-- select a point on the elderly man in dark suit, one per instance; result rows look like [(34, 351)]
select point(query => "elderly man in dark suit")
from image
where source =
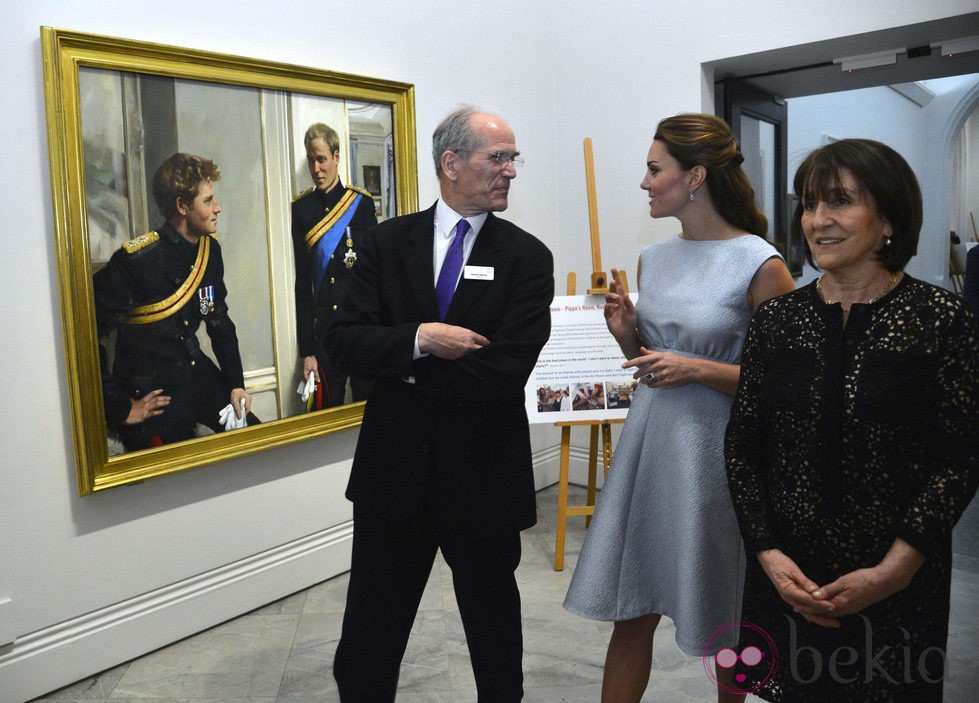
[(449, 309)]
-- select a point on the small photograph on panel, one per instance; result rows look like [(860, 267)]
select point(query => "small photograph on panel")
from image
[(553, 398), (620, 392), (588, 396)]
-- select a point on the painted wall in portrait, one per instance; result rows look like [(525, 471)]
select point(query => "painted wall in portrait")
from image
[(110, 219), (224, 124)]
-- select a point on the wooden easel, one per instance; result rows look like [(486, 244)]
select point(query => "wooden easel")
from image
[(588, 509), (599, 281), (599, 286)]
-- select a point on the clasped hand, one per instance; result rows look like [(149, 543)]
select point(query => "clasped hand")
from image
[(448, 341), (311, 366), (849, 594)]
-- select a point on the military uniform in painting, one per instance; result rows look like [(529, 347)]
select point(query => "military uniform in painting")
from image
[(155, 293), (319, 296)]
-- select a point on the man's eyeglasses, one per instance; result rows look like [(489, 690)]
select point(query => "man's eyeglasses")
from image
[(502, 158)]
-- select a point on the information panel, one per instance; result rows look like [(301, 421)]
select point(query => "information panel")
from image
[(579, 374)]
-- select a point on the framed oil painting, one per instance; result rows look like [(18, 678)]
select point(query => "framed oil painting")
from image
[(116, 109)]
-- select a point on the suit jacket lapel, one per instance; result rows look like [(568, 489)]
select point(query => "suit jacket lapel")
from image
[(487, 251), (418, 263)]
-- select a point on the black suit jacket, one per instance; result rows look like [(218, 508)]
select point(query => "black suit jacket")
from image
[(971, 291), (459, 431)]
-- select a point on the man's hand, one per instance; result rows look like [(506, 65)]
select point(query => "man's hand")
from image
[(146, 407), (310, 367), (236, 397), (448, 341)]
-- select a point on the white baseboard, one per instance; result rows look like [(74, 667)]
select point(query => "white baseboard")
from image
[(68, 652), (47, 660)]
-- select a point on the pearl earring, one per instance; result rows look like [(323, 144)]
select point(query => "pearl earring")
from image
[(691, 196)]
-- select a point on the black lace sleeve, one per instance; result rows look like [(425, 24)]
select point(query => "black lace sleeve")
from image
[(954, 443), (747, 466)]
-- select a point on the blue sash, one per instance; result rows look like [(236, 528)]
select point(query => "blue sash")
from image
[(323, 238)]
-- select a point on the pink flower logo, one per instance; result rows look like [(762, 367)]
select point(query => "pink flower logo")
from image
[(761, 657)]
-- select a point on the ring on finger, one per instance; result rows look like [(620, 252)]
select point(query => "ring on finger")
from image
[(650, 377)]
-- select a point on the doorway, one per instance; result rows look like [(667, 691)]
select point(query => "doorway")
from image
[(824, 102)]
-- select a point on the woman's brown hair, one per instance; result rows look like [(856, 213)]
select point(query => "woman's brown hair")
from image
[(881, 173), (706, 140)]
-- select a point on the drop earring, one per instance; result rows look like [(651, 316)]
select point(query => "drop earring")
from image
[(691, 196)]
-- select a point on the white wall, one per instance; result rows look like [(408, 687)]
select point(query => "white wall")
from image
[(94, 581), (616, 90), (968, 202)]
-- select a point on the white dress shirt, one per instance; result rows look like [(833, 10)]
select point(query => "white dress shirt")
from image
[(446, 220)]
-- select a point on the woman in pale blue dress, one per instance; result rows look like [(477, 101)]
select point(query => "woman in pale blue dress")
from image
[(664, 539)]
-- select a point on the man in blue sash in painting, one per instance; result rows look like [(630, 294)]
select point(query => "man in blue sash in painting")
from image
[(328, 221)]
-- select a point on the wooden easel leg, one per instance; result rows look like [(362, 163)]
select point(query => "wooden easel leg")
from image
[(606, 446), (592, 470), (562, 498)]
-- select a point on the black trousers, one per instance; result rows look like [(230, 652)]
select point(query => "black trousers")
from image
[(391, 564), (198, 400)]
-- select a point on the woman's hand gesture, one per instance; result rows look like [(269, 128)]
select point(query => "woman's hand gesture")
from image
[(620, 313)]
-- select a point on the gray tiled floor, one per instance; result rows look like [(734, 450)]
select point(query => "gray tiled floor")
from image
[(282, 652)]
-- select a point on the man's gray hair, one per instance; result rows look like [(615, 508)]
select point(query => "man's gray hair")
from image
[(455, 134)]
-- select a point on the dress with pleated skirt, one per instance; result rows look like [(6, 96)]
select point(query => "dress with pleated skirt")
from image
[(664, 538)]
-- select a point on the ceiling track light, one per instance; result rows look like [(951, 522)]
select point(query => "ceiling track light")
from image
[(950, 47), (878, 58)]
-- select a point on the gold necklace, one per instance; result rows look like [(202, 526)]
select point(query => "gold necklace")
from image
[(887, 286)]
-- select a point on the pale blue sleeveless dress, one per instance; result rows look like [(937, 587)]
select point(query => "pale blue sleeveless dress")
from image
[(664, 538)]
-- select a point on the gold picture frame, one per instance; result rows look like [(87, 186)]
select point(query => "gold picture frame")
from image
[(72, 58)]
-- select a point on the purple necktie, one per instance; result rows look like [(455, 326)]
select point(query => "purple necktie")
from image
[(451, 267)]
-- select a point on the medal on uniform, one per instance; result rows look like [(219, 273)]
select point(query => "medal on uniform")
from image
[(350, 258), (206, 297)]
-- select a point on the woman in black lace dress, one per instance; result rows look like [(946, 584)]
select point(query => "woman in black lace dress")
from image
[(852, 449)]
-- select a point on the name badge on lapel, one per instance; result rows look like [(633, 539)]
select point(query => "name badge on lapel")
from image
[(478, 273)]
